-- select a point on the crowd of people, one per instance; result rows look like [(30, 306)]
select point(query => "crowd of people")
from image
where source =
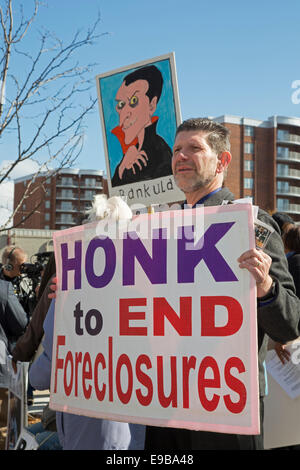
[(201, 157)]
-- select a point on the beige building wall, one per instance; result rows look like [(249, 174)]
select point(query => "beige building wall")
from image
[(31, 240)]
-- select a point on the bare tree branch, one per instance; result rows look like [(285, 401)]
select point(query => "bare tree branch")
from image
[(45, 94)]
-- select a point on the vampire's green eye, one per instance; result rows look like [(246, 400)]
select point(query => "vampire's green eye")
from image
[(120, 104), (133, 101)]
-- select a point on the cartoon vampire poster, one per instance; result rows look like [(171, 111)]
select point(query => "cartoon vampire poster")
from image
[(139, 111)]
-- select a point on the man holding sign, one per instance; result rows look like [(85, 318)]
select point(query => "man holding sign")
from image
[(161, 329), (201, 155)]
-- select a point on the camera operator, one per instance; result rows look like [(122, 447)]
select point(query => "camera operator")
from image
[(13, 318), (12, 259), (24, 276)]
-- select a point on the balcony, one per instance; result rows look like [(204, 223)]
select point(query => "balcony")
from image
[(287, 207), (66, 209), (290, 174), (287, 138), (289, 191), (62, 221), (288, 156), (67, 195), (86, 185)]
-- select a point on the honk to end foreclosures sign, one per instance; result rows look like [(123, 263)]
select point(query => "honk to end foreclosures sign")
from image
[(155, 323)]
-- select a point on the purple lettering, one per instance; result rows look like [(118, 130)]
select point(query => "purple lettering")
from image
[(110, 262), (155, 267), (71, 264), (189, 257)]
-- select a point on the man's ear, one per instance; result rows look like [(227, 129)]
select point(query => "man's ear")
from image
[(153, 104), (223, 161)]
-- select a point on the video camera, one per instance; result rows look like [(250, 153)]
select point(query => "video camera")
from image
[(32, 270), (26, 284)]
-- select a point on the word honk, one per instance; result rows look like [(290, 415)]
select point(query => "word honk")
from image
[(155, 267)]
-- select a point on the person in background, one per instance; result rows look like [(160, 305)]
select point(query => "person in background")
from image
[(29, 342), (12, 259), (291, 241), (281, 218)]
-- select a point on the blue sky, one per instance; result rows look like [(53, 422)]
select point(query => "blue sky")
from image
[(231, 57)]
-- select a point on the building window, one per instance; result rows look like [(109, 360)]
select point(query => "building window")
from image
[(66, 193), (89, 194), (282, 170), (47, 227), (249, 131), (248, 183), (248, 165), (66, 205), (248, 147), (283, 204), (47, 204), (90, 182), (283, 135), (282, 152), (67, 218), (283, 186), (67, 181), (47, 216)]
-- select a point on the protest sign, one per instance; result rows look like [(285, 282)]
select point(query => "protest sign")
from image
[(139, 112), (17, 403), (155, 323)]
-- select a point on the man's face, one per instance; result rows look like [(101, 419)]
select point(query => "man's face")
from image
[(20, 258), (194, 163), (134, 108)]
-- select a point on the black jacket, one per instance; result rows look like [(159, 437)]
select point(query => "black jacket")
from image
[(279, 319), (294, 268), (13, 318)]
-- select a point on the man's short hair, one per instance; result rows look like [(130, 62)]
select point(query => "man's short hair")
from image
[(10, 253), (218, 136), (291, 238), (152, 75)]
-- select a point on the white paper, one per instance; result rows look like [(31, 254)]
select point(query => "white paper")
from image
[(286, 375)]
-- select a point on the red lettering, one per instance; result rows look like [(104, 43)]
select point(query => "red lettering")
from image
[(99, 393), (110, 368), (125, 316), (235, 316), (59, 363), (182, 323), (124, 361), (69, 360), (235, 384), (78, 359), (144, 379), (87, 375), (172, 398), (188, 363), (203, 383)]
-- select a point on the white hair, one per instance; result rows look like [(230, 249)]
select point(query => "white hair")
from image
[(114, 208)]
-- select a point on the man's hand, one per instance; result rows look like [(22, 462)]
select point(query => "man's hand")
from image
[(132, 157), (54, 288), (281, 351), (258, 264)]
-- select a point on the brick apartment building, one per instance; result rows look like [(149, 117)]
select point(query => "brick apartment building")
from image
[(265, 166), (266, 162), (68, 194)]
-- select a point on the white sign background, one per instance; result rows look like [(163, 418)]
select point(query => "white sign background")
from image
[(67, 371)]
